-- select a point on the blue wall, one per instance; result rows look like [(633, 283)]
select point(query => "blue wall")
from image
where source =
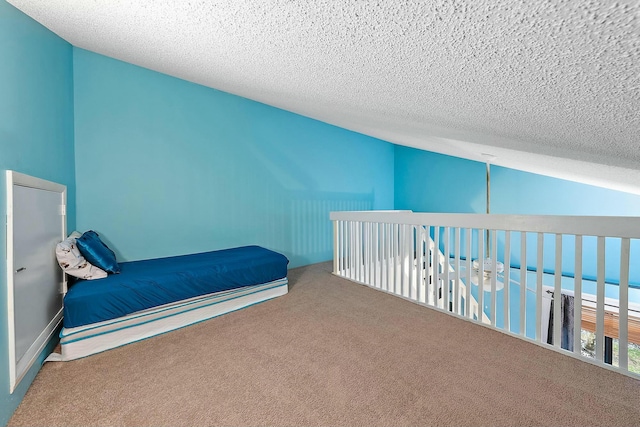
[(164, 167), (36, 137), (430, 182), (168, 167)]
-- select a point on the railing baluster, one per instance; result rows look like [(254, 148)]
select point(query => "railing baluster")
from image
[(623, 318), (456, 285), (398, 264), (362, 264), (420, 262), (467, 302), (600, 301), (445, 268), (335, 247), (356, 250), (401, 251), (354, 263), (401, 257), (418, 250), (342, 246), (351, 228), (429, 265), (410, 260), (381, 259), (346, 238), (523, 283), (404, 261), (397, 280), (376, 254), (539, 272), (413, 258), (557, 295), (345, 245), (387, 255), (424, 229), (436, 264), (365, 253), (481, 244), (362, 247), (394, 260), (371, 259), (427, 268), (577, 297), (507, 280), (361, 252), (345, 248), (494, 276), (408, 239)]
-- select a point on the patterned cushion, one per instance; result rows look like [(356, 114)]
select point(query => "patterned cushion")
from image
[(73, 263)]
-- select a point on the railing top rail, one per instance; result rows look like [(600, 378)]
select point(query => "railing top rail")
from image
[(606, 226)]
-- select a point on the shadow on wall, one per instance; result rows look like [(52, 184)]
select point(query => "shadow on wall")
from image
[(219, 200), (186, 169), (297, 224), (310, 226)]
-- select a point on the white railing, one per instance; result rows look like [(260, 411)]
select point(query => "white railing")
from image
[(428, 259)]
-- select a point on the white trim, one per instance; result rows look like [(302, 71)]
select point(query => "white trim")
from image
[(17, 369), (10, 267), (38, 346), (32, 182), (609, 226)]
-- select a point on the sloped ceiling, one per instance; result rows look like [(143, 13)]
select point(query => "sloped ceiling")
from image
[(551, 87)]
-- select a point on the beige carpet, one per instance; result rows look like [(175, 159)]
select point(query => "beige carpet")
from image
[(331, 352)]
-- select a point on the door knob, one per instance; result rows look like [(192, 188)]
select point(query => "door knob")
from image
[(21, 269)]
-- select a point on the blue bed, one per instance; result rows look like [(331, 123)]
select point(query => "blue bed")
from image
[(155, 296)]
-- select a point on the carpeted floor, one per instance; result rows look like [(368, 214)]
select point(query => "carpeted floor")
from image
[(331, 352)]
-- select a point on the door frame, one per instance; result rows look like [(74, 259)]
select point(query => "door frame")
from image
[(16, 373)]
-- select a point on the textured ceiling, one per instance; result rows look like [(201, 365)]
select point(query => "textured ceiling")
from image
[(551, 87)]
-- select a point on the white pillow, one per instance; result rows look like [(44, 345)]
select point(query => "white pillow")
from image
[(73, 263)]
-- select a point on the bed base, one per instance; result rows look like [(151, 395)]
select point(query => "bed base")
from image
[(90, 339)]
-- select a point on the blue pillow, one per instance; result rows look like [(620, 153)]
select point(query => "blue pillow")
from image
[(96, 252)]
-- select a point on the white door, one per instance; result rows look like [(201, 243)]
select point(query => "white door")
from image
[(36, 304)]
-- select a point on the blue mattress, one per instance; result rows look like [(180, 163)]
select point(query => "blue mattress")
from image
[(150, 283)]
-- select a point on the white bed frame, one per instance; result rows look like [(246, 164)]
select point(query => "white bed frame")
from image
[(90, 339)]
